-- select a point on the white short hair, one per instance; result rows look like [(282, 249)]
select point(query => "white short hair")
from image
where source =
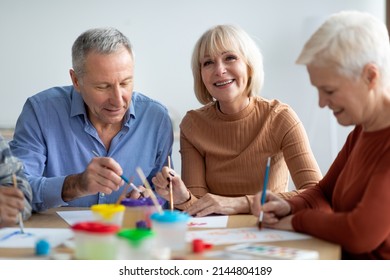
[(349, 40)]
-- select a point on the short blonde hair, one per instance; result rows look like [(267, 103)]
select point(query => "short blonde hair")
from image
[(219, 39), (349, 40)]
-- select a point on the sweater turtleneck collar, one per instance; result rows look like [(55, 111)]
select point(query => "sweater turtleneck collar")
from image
[(236, 116)]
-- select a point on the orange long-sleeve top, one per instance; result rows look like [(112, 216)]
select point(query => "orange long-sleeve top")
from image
[(351, 204), (226, 154)]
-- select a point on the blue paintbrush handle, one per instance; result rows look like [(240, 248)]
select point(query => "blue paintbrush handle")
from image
[(263, 194), (125, 179)]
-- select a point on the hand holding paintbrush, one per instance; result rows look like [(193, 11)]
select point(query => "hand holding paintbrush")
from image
[(128, 182)]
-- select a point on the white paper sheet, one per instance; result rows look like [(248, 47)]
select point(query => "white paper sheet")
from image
[(243, 235), (13, 238), (73, 217), (208, 222)]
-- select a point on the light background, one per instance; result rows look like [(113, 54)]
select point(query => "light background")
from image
[(36, 40)]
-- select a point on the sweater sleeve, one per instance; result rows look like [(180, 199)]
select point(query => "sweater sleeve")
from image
[(320, 196), (291, 137), (185, 205), (193, 167), (322, 193), (360, 200), (360, 230)]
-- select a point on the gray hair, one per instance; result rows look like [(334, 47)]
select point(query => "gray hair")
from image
[(349, 40), (100, 40), (219, 39)]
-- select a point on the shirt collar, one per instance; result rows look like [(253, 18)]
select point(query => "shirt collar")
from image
[(77, 104)]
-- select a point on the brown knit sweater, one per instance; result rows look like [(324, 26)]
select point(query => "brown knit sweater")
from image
[(226, 154)]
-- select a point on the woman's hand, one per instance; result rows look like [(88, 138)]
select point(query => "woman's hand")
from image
[(161, 183), (215, 204), (273, 209), (282, 224)]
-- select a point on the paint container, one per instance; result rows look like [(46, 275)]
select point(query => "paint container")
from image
[(109, 213), (136, 244), (138, 211), (42, 247), (170, 228), (95, 241)]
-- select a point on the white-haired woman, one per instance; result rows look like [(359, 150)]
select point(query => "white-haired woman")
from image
[(348, 61)]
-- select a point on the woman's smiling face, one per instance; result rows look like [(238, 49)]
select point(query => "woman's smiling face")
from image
[(226, 78), (348, 98)]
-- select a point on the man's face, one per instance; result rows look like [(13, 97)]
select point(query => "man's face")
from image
[(106, 86)]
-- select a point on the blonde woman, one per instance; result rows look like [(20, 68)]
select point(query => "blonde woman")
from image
[(224, 145)]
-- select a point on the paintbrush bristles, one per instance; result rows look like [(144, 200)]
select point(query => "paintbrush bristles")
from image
[(152, 195), (260, 221), (124, 192)]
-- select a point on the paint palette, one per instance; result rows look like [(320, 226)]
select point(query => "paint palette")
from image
[(259, 251)]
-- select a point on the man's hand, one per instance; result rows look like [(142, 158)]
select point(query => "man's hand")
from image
[(102, 175)]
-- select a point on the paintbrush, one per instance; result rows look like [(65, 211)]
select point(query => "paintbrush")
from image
[(146, 184), (170, 187), (130, 184), (263, 194), (124, 192), (20, 222)]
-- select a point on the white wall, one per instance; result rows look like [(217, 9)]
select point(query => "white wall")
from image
[(36, 38)]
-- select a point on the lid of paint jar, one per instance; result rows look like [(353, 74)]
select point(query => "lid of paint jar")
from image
[(168, 216), (143, 201), (107, 210), (136, 236), (95, 227)]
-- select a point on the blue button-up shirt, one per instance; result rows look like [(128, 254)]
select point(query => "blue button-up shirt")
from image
[(54, 138)]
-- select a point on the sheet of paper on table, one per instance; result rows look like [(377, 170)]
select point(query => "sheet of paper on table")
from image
[(243, 235), (13, 238)]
